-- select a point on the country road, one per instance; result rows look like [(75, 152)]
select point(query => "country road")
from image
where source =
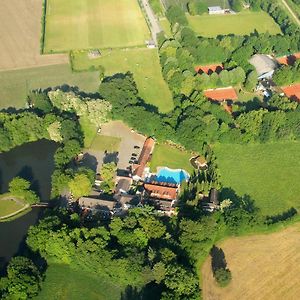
[(154, 24), (291, 12)]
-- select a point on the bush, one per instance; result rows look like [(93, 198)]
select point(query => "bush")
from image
[(223, 276)]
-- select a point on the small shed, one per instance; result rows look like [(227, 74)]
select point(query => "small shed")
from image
[(216, 10)]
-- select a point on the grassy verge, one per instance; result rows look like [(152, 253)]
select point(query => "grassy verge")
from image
[(89, 131), (166, 27), (239, 24), (64, 283), (168, 156), (268, 173), (142, 62), (103, 142), (15, 85)]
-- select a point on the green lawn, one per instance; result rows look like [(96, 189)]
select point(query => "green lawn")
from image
[(8, 206), (240, 24), (85, 24), (167, 156), (104, 142), (14, 85), (89, 131), (64, 283), (268, 173), (142, 62)]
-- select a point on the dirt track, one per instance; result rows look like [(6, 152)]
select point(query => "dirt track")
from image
[(263, 267), (20, 30)]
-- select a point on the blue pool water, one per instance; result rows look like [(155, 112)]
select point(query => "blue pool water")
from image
[(171, 175)]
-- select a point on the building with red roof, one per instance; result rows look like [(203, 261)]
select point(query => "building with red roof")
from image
[(288, 60), (144, 158), (221, 94), (161, 195), (209, 69), (164, 191), (292, 91)]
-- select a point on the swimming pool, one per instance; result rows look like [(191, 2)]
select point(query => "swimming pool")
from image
[(171, 176)]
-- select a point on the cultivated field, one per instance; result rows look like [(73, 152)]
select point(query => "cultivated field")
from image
[(268, 173), (20, 30), (142, 62), (263, 267), (84, 24), (240, 24), (15, 85)]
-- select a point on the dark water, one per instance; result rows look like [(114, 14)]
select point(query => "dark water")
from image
[(34, 162)]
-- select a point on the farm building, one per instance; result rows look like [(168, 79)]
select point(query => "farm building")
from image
[(265, 65), (216, 10), (221, 94), (209, 69), (292, 91)]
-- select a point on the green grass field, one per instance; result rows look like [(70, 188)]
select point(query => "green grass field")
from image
[(142, 62), (103, 142), (267, 172), (167, 156), (15, 85), (64, 283), (8, 206), (240, 24), (85, 24)]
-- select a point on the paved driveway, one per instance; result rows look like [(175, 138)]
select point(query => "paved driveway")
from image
[(129, 139)]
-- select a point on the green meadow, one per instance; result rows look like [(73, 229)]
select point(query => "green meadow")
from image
[(64, 283), (268, 173), (15, 85), (142, 62), (240, 24), (85, 24)]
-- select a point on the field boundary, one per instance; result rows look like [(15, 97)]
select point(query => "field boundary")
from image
[(43, 26)]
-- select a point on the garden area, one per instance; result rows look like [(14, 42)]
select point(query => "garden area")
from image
[(93, 23), (142, 62), (168, 156), (268, 173)]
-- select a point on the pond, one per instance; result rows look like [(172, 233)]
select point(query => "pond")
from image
[(34, 162)]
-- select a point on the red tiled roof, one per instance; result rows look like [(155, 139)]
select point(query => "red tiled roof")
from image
[(292, 91), (288, 60), (208, 69), (161, 192), (221, 94), (144, 157)]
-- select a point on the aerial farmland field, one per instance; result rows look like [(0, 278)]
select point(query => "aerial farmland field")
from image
[(20, 30), (263, 267), (85, 24), (240, 24)]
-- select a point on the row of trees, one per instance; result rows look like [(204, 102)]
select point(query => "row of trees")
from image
[(195, 120)]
